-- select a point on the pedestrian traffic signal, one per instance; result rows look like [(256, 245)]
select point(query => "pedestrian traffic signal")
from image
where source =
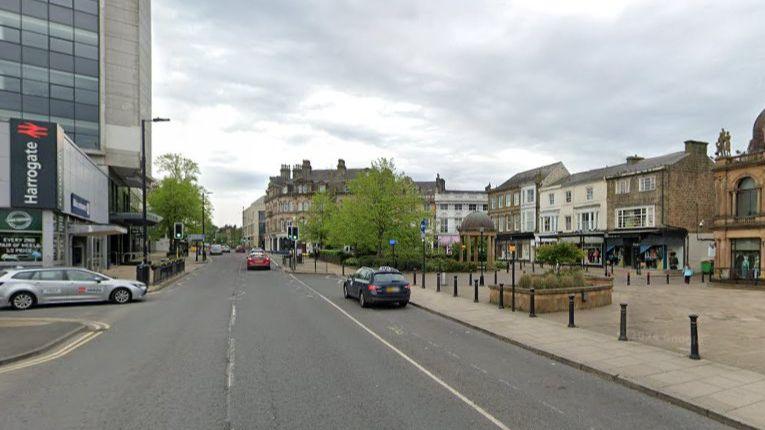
[(178, 230)]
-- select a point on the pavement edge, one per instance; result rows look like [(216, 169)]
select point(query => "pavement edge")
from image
[(724, 419), (45, 347)]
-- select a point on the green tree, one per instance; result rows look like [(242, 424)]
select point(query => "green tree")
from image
[(178, 167), (316, 227), (561, 252), (382, 204)]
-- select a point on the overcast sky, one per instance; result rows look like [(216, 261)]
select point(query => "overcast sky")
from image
[(474, 90)]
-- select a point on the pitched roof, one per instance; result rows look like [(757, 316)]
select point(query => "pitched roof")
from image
[(426, 187), (645, 164), (529, 175), (329, 176)]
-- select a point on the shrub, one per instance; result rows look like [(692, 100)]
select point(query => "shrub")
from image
[(352, 261), (552, 280), (525, 281), (561, 252)]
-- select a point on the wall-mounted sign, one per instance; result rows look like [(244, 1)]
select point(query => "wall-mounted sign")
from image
[(80, 206), (34, 162), (20, 247), (16, 220)]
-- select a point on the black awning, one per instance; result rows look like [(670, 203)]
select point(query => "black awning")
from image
[(509, 237), (134, 218)]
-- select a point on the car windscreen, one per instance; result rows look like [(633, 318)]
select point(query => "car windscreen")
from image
[(383, 278), (2, 273)]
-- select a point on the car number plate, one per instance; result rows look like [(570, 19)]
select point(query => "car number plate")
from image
[(392, 290)]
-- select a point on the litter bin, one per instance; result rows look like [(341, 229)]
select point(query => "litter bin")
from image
[(706, 266), (142, 273)]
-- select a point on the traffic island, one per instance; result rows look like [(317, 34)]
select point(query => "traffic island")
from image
[(22, 338)]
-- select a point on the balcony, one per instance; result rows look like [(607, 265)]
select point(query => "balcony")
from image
[(732, 221), (724, 163)]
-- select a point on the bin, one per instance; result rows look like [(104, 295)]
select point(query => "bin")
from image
[(706, 266)]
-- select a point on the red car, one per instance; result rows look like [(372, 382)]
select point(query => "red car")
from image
[(258, 260)]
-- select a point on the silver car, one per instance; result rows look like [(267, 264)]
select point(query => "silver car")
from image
[(24, 288)]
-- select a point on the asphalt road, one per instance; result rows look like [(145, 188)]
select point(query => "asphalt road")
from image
[(226, 348)]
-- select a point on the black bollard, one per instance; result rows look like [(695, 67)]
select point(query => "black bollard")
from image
[(423, 280), (414, 276), (532, 310), (571, 310), (475, 291), (501, 296), (702, 277), (623, 322), (628, 278), (438, 282), (343, 263), (605, 268), (532, 267), (512, 298), (495, 277), (508, 266), (470, 278), (694, 338), (455, 286), (648, 278), (667, 278)]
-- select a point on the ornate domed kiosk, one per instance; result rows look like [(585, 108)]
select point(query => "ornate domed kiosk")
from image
[(475, 227)]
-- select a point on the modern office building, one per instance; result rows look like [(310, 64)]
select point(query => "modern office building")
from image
[(254, 223), (86, 66)]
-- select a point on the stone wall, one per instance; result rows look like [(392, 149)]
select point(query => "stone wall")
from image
[(556, 300)]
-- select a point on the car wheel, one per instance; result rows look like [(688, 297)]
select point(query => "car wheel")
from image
[(23, 301), (403, 304), (362, 300), (121, 296), (345, 291)]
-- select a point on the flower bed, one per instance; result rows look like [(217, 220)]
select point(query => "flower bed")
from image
[(596, 293)]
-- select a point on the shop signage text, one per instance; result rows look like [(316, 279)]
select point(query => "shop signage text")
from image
[(80, 206), (33, 164)]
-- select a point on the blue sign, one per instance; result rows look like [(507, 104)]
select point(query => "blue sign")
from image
[(423, 225), (392, 242), (80, 206)]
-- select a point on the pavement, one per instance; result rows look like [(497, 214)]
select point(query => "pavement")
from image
[(224, 348), (21, 338), (129, 272)]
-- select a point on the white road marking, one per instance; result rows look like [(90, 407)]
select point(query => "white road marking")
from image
[(553, 408), (419, 367), (66, 349)]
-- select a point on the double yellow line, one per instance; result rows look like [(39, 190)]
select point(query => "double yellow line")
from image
[(61, 351)]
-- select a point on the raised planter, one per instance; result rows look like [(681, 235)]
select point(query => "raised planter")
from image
[(597, 294)]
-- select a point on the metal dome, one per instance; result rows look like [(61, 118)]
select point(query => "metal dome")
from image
[(475, 220)]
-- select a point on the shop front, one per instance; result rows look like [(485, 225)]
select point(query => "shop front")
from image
[(745, 256), (659, 249), (591, 244)]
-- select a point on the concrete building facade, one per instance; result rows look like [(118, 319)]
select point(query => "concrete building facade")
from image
[(253, 223), (451, 207)]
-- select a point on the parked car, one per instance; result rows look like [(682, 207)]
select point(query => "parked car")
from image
[(384, 285), (241, 248), (226, 249), (24, 288), (216, 249), (258, 260)]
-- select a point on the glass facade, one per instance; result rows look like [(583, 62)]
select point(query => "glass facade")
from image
[(49, 64)]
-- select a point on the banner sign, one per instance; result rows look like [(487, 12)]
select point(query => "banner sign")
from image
[(20, 247), (80, 206), (34, 161), (20, 220)]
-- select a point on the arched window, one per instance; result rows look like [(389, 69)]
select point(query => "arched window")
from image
[(746, 198)]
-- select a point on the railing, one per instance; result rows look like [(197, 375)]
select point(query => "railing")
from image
[(757, 218), (167, 270)]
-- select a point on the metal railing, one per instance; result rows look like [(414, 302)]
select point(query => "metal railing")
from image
[(167, 270)]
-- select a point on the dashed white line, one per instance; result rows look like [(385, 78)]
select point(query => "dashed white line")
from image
[(417, 365)]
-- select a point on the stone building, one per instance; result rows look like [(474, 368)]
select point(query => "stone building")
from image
[(660, 209), (514, 205), (739, 223), (451, 207), (289, 195)]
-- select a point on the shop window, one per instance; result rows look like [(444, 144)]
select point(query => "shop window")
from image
[(746, 198)]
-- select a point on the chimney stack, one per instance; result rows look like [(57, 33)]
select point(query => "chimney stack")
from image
[(341, 165), (284, 172), (696, 147), (632, 159)]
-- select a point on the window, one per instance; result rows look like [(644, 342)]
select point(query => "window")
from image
[(746, 198), (458, 207), (516, 199), (49, 275), (516, 223), (443, 206), (587, 221), (24, 276), (500, 225), (472, 207), (548, 224), (493, 202), (529, 196), (551, 196), (635, 217), (500, 200), (508, 199), (623, 186), (568, 196), (485, 208), (82, 276), (444, 225), (568, 222), (529, 220), (647, 183), (589, 193), (322, 188)]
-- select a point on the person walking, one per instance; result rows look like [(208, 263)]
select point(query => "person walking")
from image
[(687, 273)]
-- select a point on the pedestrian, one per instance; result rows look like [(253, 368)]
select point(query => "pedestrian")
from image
[(687, 273)]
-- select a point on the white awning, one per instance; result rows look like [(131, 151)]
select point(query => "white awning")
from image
[(95, 230)]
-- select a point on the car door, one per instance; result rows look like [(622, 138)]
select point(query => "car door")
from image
[(363, 281), (52, 286), (355, 281), (85, 285)]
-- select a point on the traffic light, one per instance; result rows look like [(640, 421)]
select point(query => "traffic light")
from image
[(292, 233), (178, 230)]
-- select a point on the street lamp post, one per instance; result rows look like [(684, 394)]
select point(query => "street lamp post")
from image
[(143, 270), (204, 248), (480, 255)]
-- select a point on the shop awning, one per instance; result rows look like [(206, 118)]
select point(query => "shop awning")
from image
[(134, 218), (95, 230)]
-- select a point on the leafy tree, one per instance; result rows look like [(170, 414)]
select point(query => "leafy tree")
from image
[(178, 167), (316, 227), (382, 204), (561, 252)]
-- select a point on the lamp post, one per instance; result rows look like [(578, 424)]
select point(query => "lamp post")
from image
[(204, 215), (480, 256), (143, 270)]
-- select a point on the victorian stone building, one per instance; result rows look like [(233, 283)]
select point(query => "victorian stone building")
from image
[(289, 195), (660, 209), (739, 223)]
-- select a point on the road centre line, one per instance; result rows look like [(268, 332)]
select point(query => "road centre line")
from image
[(414, 363)]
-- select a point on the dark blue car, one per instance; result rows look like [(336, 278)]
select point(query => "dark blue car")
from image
[(370, 286)]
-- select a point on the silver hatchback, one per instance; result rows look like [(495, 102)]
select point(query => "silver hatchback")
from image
[(24, 288)]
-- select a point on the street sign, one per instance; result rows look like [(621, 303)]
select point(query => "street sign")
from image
[(196, 237), (423, 225), (392, 242)]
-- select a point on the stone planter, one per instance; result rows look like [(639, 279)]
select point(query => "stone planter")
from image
[(597, 294)]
